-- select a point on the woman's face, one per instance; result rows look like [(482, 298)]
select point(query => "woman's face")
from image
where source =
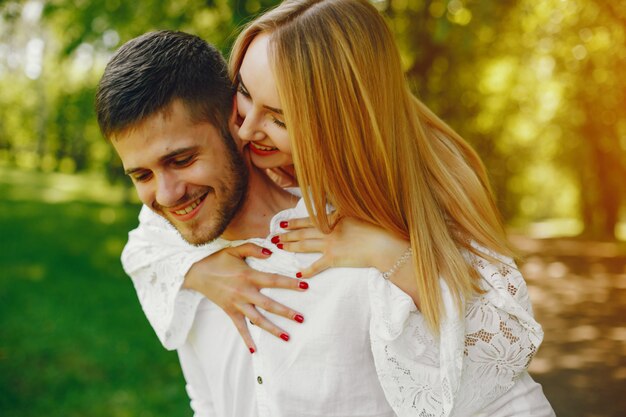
[(261, 121)]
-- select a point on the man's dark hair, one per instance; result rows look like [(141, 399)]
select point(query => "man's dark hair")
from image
[(148, 73)]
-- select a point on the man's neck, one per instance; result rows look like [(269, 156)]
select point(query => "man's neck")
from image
[(263, 200)]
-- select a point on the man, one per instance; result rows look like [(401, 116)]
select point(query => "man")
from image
[(164, 102)]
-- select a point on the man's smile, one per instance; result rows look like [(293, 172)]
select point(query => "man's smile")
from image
[(189, 210)]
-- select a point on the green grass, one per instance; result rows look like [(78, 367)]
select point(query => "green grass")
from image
[(73, 338)]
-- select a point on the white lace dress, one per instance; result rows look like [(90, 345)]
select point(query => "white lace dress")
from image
[(476, 367)]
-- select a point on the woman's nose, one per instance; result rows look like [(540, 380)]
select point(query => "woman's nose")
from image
[(251, 128)]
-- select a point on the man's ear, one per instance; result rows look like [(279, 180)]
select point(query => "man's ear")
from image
[(233, 110), (232, 125)]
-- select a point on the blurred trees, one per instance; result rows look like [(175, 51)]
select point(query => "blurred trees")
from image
[(534, 86)]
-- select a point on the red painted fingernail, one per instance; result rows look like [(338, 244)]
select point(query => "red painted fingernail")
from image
[(298, 318), (284, 336), (276, 239), (266, 251), (251, 350), (303, 285), (298, 274), (279, 245), (284, 225)]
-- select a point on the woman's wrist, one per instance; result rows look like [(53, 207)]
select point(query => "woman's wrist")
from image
[(399, 263), (400, 269), (389, 250)]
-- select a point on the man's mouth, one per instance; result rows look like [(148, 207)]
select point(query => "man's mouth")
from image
[(262, 150), (188, 211)]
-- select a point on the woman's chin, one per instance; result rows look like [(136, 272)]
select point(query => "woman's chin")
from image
[(276, 160)]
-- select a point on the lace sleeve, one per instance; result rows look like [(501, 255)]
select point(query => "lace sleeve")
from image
[(157, 258), (475, 359)]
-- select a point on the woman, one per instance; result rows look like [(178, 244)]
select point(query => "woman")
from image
[(320, 83)]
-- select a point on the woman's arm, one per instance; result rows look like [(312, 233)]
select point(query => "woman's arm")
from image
[(476, 357), (171, 277)]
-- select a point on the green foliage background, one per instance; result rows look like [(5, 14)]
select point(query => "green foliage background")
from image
[(535, 86), (73, 339)]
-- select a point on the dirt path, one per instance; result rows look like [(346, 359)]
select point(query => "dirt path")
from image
[(578, 289)]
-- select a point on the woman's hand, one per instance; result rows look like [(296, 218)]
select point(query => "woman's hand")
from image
[(225, 279), (352, 243)]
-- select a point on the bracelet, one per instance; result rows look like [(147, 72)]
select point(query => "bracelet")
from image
[(401, 261)]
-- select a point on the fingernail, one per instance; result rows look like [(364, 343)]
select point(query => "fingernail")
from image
[(298, 318), (284, 225), (284, 336), (303, 285), (251, 350), (279, 245), (276, 239), (298, 274), (266, 251)]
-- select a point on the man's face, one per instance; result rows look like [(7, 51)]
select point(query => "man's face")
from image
[(184, 171)]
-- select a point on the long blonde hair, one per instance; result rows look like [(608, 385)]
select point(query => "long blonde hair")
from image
[(362, 142)]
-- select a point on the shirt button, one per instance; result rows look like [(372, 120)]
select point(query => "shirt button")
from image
[(259, 379)]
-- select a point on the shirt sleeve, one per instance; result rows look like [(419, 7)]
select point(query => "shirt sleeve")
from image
[(157, 259), (474, 360), (196, 383)]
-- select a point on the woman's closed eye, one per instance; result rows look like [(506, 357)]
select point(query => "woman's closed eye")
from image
[(242, 90), (278, 122)]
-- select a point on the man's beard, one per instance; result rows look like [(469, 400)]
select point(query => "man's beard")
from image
[(233, 195)]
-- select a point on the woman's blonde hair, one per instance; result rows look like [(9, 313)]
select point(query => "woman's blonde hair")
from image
[(362, 142)]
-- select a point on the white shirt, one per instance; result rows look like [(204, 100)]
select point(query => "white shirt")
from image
[(363, 350)]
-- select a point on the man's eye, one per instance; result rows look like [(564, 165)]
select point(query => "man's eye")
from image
[(183, 162), (142, 177)]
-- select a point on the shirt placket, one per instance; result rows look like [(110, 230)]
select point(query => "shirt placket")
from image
[(283, 264), (263, 403)]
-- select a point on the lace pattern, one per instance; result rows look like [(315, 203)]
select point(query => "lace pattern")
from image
[(476, 359), (157, 258)]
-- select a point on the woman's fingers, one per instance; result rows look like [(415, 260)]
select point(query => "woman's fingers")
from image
[(295, 224), (257, 299), (242, 327), (259, 320), (250, 249), (271, 306), (316, 267), (302, 240), (301, 234), (229, 282), (302, 222), (264, 280), (305, 246)]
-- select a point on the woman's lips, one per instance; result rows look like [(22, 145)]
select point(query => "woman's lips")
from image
[(262, 150)]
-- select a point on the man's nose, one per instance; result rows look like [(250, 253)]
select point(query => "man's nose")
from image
[(170, 190)]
